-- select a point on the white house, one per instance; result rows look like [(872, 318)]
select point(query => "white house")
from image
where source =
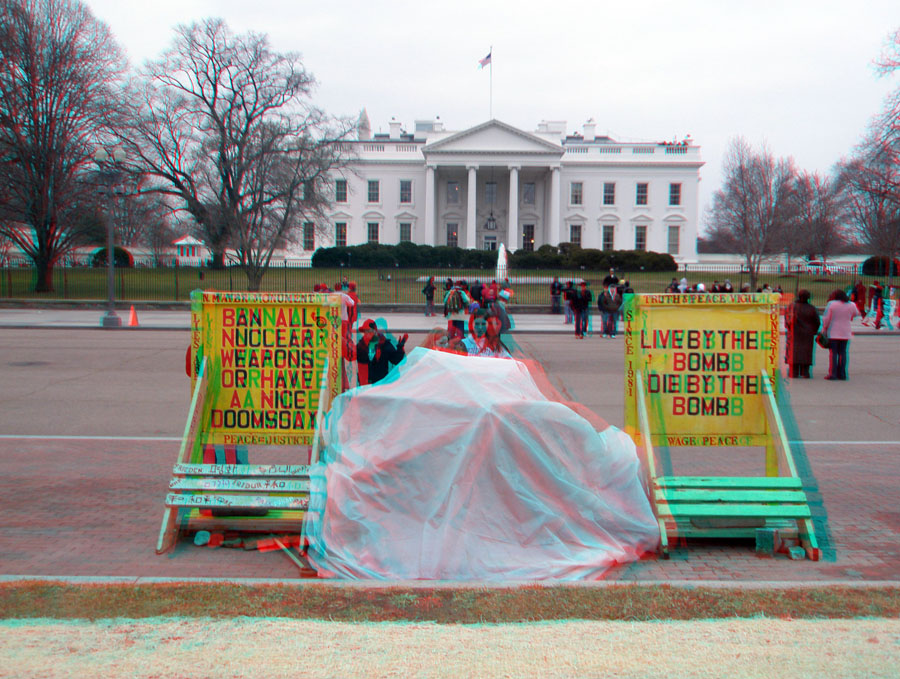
[(494, 183)]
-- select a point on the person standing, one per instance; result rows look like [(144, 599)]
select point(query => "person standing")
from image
[(611, 279), (375, 353), (580, 306), (555, 294), (428, 291), (608, 304), (569, 297), (836, 325), (802, 325)]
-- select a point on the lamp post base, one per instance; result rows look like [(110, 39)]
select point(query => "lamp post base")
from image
[(110, 320)]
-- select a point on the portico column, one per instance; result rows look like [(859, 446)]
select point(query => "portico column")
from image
[(513, 230), (554, 206), (429, 205), (471, 193)]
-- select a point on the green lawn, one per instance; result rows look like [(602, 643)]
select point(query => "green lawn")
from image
[(376, 286)]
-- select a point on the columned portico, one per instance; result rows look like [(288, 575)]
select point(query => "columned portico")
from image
[(429, 205), (471, 204), (555, 236), (512, 242)]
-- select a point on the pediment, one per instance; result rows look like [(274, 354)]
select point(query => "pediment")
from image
[(493, 137)]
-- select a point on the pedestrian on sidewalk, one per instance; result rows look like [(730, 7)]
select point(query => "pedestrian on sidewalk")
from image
[(802, 324), (428, 291), (839, 313), (609, 304), (581, 306), (568, 297), (555, 294)]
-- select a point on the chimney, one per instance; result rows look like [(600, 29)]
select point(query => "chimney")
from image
[(395, 128), (590, 128)]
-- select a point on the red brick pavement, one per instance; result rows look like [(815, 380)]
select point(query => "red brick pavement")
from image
[(93, 508)]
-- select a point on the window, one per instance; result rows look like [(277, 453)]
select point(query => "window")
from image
[(575, 193), (340, 191), (374, 191), (373, 232), (674, 194), (490, 193), (640, 197), (453, 234), (575, 234), (405, 231), (609, 236), (490, 242), (452, 193), (309, 236), (340, 234), (674, 240), (528, 193), (640, 237), (406, 191), (609, 193), (528, 237)]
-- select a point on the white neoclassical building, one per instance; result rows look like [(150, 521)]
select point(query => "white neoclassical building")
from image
[(494, 183)]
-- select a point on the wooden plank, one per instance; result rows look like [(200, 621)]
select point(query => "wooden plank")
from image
[(782, 449), (170, 515), (735, 510), (650, 454), (273, 470), (240, 485), (729, 482), (734, 496), (324, 394), (241, 501)]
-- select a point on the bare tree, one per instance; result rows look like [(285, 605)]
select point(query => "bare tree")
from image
[(819, 227), (227, 128), (58, 70), (870, 181), (755, 205)]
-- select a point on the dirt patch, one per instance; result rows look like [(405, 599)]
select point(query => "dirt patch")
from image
[(252, 647)]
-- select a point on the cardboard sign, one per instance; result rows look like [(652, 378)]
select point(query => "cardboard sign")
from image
[(267, 355), (701, 357)]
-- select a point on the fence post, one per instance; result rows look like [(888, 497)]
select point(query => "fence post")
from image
[(175, 269)]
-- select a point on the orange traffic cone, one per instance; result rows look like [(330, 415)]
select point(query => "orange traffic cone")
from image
[(132, 320)]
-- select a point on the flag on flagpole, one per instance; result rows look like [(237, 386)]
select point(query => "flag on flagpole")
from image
[(484, 62)]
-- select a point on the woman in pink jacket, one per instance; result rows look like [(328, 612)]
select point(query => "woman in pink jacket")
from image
[(836, 326)]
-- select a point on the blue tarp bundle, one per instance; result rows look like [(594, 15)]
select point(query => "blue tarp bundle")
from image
[(462, 468)]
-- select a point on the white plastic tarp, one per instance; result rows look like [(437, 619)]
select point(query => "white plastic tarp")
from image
[(460, 468)]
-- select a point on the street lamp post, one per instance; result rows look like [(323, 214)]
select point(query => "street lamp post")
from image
[(111, 174)]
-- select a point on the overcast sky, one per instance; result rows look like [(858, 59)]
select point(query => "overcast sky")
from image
[(794, 74)]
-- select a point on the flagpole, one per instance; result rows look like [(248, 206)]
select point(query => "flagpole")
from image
[(491, 96)]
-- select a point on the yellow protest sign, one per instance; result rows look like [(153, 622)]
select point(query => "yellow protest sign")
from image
[(267, 354), (702, 358)]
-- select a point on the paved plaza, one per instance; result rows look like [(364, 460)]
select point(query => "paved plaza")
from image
[(90, 424)]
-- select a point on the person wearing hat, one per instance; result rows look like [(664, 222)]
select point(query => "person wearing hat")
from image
[(375, 353)]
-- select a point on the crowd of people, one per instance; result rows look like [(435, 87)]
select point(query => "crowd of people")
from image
[(478, 321)]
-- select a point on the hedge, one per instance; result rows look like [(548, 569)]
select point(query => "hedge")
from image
[(566, 256)]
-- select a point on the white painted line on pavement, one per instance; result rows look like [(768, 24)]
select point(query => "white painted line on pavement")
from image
[(89, 438), (849, 443)]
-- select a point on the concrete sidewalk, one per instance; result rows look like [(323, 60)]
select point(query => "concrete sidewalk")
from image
[(396, 321)]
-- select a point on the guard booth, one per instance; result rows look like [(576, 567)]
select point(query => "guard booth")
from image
[(701, 372), (264, 370)]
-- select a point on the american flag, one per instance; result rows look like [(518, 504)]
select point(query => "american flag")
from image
[(484, 62)]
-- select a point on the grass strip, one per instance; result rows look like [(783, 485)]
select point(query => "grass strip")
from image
[(525, 603)]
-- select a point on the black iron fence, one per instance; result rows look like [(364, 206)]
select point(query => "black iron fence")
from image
[(390, 285)]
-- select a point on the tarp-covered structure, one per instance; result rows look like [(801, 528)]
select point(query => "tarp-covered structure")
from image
[(464, 468)]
